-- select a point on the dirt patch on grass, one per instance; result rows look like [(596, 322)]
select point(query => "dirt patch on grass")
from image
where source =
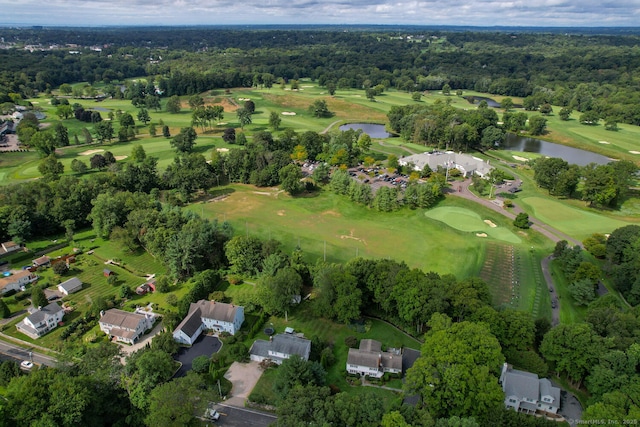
[(332, 213), (120, 157), (520, 159), (481, 234), (90, 152), (352, 237), (280, 213), (490, 223)]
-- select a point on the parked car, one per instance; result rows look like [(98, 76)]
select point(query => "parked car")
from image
[(212, 414), (25, 364)]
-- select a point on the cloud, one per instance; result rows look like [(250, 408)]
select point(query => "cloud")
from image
[(414, 12)]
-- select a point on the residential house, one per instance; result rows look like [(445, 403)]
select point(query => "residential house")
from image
[(43, 261), (16, 280), (280, 347), (369, 359), (41, 320), (70, 286), (125, 326), (525, 392), (8, 247), (468, 165), (209, 315)]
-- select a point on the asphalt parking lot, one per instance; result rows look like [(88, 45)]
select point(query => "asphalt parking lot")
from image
[(205, 345)]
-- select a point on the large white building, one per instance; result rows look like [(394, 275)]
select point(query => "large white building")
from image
[(467, 165), (41, 320), (209, 315)]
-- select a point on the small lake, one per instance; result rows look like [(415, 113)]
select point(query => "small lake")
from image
[(472, 99), (572, 155), (371, 129)]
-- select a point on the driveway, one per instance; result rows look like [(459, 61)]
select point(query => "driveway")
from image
[(244, 377), (205, 345)]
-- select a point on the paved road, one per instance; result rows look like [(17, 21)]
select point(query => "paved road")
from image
[(22, 353), (234, 416), (555, 311)]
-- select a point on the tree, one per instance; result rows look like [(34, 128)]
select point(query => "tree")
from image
[(297, 372), (60, 268), (611, 124), (200, 364), (244, 254), (416, 96), (290, 177), (522, 220), (250, 106), (126, 120), (165, 131), (44, 142), (446, 89), (60, 135), (229, 135), (277, 292), (590, 117), (143, 116), (179, 402), (5, 312), (274, 121), (51, 168), (196, 101), (104, 130), (506, 104), (574, 349), (319, 109), (244, 117), (78, 166), (546, 109), (138, 154), (66, 88), (565, 113), (582, 291), (331, 88), (458, 373), (537, 125), (174, 105), (98, 161), (185, 140), (38, 298)]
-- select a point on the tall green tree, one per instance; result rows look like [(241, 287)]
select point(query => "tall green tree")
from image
[(185, 140), (51, 168)]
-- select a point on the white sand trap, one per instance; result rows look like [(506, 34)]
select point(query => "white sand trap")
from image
[(521, 159), (288, 113), (307, 86), (634, 152), (222, 123), (603, 142), (120, 157), (490, 223), (244, 99), (280, 213), (481, 234), (90, 152), (222, 150)]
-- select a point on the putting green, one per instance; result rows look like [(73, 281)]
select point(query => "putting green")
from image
[(466, 220), (574, 222)]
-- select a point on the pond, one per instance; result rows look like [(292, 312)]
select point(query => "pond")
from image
[(572, 155), (371, 129), (472, 99)]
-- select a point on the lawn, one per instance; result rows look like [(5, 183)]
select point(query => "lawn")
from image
[(331, 226), (569, 312), (466, 220)]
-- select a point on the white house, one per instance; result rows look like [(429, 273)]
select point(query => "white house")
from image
[(209, 315), (279, 348), (41, 321), (525, 392), (468, 165), (16, 280), (369, 359), (70, 286), (125, 326)]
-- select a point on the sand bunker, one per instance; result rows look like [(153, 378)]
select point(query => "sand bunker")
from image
[(244, 99), (280, 213), (120, 157), (603, 142), (222, 123), (490, 223), (520, 159), (222, 150), (634, 152), (90, 152), (288, 113), (481, 234)]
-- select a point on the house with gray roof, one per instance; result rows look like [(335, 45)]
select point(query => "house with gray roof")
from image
[(280, 347), (525, 392), (70, 286), (125, 326), (369, 359), (467, 165), (41, 320), (209, 315)]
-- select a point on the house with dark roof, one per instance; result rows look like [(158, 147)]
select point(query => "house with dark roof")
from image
[(279, 348), (41, 320), (16, 280), (70, 286), (369, 359), (209, 315), (125, 326), (525, 392)]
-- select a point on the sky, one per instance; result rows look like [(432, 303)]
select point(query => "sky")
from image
[(545, 13)]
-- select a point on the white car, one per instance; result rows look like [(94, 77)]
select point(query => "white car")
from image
[(212, 414), (25, 364)]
